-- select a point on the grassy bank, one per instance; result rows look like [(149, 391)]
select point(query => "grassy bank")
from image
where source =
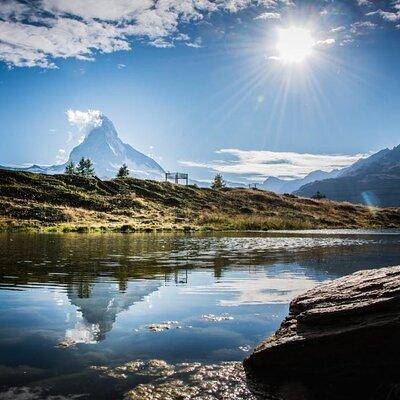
[(69, 203)]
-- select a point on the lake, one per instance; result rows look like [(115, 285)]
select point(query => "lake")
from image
[(157, 316)]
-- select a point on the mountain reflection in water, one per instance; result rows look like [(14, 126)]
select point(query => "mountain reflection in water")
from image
[(75, 310)]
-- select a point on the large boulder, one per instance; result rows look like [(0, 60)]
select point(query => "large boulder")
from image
[(344, 333)]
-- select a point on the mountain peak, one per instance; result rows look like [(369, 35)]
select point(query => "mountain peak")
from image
[(103, 128), (107, 152)]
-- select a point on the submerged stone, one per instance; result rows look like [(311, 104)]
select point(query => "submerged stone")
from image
[(217, 318), (183, 381), (163, 326)]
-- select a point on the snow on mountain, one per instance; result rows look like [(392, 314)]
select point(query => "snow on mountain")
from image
[(107, 152)]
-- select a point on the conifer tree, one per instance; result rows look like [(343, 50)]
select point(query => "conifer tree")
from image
[(218, 182), (89, 168), (80, 169), (85, 168), (123, 171), (70, 169)]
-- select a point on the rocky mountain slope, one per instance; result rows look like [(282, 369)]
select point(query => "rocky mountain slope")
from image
[(375, 182), (281, 186), (290, 186)]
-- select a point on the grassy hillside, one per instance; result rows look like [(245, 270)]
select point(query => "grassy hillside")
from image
[(64, 203)]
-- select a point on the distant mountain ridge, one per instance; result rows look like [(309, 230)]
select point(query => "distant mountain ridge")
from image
[(373, 181), (107, 152), (281, 186)]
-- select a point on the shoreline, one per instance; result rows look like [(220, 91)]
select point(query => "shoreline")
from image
[(127, 229)]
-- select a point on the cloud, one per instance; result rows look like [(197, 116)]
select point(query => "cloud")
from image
[(28, 45), (386, 15), (367, 3), (360, 27), (326, 43), (61, 156), (274, 58), (84, 119), (268, 15), (161, 43), (268, 163), (338, 29), (391, 14), (35, 34), (100, 9), (196, 44)]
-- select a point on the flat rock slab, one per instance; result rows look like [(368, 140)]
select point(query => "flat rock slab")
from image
[(346, 329)]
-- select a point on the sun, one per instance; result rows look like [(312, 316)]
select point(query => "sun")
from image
[(294, 44)]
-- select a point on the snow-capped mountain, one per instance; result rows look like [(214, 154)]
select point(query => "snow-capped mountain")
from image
[(107, 152)]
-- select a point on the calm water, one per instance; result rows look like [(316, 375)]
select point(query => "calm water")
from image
[(157, 317)]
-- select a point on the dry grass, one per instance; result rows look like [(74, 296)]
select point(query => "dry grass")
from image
[(31, 201)]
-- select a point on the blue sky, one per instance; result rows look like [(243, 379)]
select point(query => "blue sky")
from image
[(183, 80)]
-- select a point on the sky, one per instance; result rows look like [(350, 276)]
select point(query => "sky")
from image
[(248, 88)]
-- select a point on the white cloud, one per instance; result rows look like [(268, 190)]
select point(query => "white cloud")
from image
[(84, 119), (326, 43), (195, 44), (367, 3), (11, 9), (361, 27), (347, 39), (268, 15), (28, 45), (268, 163), (161, 43), (387, 15), (36, 33), (338, 29), (182, 37), (101, 9), (61, 156)]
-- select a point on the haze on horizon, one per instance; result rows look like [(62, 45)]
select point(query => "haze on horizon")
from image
[(247, 88)]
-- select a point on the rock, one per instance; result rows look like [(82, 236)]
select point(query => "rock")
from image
[(217, 318), (163, 326), (344, 332)]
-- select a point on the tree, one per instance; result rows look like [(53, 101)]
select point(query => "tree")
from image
[(218, 182), (89, 168), (123, 171), (85, 168), (80, 169), (319, 196), (70, 169)]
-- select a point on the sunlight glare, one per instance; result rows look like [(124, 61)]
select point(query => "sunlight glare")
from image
[(294, 44)]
